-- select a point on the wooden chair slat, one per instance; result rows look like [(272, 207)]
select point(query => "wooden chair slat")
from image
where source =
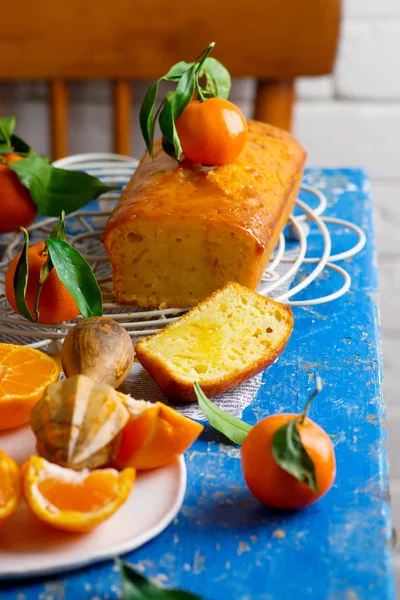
[(122, 100), (274, 102), (58, 96), (141, 40), (272, 41)]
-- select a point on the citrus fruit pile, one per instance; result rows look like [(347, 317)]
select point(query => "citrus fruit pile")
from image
[(91, 438)]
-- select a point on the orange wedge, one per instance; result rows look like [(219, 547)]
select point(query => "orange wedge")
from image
[(155, 436), (74, 500), (24, 375), (10, 486)]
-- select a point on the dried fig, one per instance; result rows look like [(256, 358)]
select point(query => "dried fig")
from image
[(100, 348)]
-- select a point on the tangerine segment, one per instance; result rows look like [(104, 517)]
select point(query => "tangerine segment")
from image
[(74, 500), (155, 438), (24, 375), (10, 486)]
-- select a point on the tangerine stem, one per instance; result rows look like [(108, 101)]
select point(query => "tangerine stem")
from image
[(318, 388), (198, 87)]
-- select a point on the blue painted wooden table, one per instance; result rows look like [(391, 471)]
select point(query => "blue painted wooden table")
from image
[(225, 546)]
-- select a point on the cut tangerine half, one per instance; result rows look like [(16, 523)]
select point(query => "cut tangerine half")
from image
[(74, 500), (10, 486), (154, 436), (24, 375)]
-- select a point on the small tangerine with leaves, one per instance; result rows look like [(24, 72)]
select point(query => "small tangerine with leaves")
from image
[(16, 205), (212, 132), (56, 303), (276, 486)]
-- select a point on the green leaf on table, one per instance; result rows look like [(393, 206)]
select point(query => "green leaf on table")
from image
[(7, 126), (232, 427), (136, 587), (76, 274), (167, 125), (218, 78), (20, 281), (53, 190), (291, 456)]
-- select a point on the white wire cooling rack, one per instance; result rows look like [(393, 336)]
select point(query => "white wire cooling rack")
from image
[(84, 229)]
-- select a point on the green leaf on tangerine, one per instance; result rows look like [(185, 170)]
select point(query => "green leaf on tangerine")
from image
[(291, 456), (218, 78), (76, 274), (20, 281), (7, 126), (53, 190), (233, 428), (184, 91), (146, 116), (167, 125), (59, 232)]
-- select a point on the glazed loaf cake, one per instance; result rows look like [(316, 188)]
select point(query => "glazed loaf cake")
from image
[(181, 231)]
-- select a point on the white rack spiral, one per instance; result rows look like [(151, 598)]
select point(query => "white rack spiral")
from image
[(84, 229)]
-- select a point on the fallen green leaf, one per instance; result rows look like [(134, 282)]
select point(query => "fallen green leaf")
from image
[(232, 427), (53, 190), (76, 274), (136, 587)]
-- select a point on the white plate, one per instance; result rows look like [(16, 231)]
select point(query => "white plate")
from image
[(29, 547)]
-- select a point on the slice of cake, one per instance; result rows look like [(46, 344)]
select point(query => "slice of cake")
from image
[(181, 231), (227, 338)]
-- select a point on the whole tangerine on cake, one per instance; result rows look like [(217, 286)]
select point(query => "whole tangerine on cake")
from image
[(212, 132)]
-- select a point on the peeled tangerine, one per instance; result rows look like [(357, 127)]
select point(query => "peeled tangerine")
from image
[(10, 486), (74, 501), (154, 436), (78, 423)]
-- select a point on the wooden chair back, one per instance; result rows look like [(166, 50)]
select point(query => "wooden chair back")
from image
[(274, 41)]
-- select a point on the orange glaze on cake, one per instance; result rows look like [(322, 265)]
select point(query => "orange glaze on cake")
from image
[(180, 231)]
